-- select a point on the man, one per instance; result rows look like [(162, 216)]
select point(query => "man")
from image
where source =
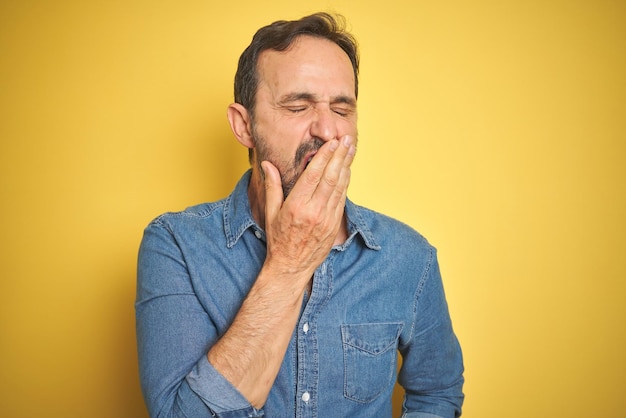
[(286, 299)]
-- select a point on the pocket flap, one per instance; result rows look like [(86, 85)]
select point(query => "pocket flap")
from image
[(373, 338)]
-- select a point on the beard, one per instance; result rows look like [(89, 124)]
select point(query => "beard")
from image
[(290, 169)]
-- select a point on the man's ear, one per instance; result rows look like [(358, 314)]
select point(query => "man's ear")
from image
[(240, 124)]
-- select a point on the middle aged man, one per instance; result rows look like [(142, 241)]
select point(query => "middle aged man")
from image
[(286, 299)]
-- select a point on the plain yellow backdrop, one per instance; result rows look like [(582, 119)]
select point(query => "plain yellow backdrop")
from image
[(496, 128)]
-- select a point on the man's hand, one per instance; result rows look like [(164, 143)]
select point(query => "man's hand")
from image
[(302, 229)]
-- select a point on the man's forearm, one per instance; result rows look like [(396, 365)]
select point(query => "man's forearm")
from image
[(251, 352)]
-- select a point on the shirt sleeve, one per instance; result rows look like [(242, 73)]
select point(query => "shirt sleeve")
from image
[(174, 334), (432, 362)]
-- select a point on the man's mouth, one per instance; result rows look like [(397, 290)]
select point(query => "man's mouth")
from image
[(308, 159), (307, 151)]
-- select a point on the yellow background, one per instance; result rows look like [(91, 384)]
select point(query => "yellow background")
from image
[(496, 128)]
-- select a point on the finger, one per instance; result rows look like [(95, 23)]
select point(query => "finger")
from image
[(338, 195), (273, 191), (335, 177), (310, 177), (339, 205)]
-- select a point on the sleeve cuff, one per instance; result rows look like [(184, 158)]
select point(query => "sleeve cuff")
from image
[(218, 393)]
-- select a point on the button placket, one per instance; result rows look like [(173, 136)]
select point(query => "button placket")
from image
[(308, 361)]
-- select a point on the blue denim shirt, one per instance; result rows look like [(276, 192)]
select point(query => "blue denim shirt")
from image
[(377, 294)]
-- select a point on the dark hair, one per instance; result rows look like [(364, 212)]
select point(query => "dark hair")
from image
[(279, 36)]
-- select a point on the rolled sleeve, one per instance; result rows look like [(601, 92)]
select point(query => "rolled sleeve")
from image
[(205, 382)]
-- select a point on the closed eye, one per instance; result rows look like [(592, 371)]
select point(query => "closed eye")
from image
[(341, 111)]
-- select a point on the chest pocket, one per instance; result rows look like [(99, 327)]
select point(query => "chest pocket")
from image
[(369, 358)]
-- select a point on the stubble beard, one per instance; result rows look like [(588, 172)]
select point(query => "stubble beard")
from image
[(289, 170)]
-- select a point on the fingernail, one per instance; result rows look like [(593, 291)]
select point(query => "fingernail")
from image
[(333, 145), (347, 140)]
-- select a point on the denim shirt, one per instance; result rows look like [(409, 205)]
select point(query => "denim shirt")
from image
[(377, 294)]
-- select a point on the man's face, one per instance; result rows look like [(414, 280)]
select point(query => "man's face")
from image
[(305, 97)]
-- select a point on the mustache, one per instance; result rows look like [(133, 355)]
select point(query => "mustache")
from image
[(310, 146)]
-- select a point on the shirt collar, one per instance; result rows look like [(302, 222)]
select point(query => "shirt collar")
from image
[(237, 212), (238, 217)]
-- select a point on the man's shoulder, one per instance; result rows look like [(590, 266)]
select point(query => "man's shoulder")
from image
[(387, 227), (191, 213)]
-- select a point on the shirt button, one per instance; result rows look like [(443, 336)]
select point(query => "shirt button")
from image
[(306, 397), (305, 327), (257, 233)]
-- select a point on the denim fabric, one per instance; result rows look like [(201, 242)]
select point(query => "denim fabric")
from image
[(377, 294)]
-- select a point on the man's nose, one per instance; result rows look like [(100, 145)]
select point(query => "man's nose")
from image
[(324, 125)]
